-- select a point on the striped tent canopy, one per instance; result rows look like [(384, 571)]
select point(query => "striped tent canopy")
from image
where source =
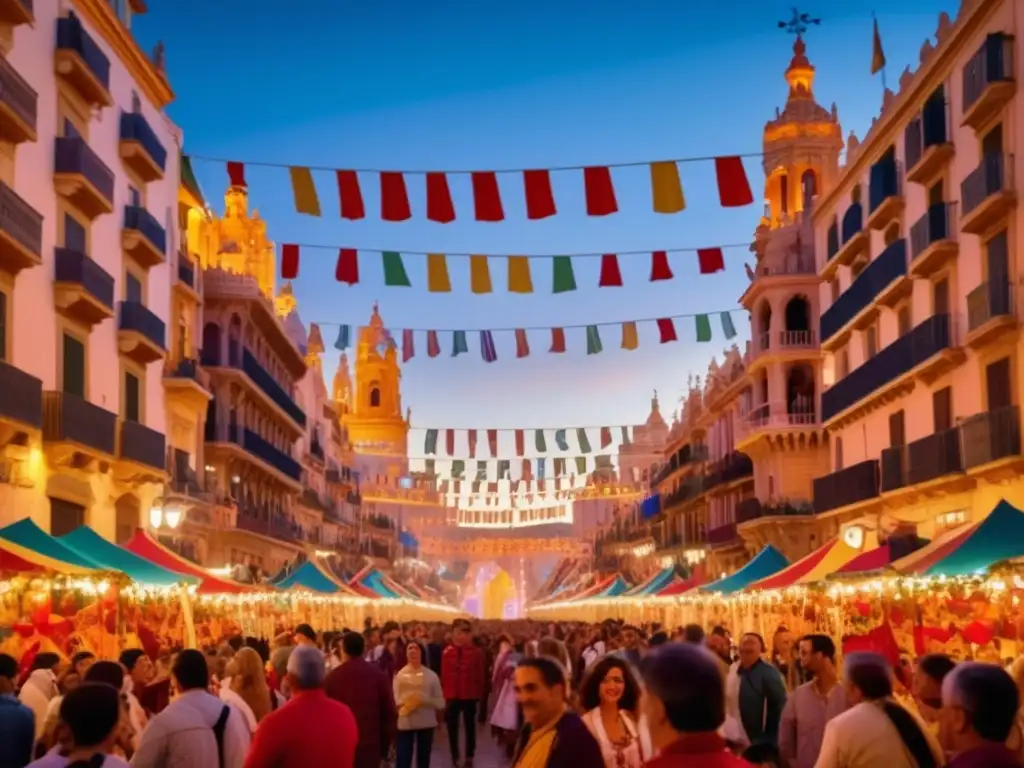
[(766, 562), (681, 586), (33, 542), (145, 546), (15, 558), (372, 579), (86, 542), (613, 586), (311, 577), (880, 558), (970, 549), (654, 584), (594, 588), (813, 567)]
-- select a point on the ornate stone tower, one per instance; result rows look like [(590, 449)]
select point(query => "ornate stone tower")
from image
[(236, 242), (779, 419), (374, 419)]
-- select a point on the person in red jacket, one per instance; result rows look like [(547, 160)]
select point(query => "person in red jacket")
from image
[(462, 680), (310, 729), (367, 691)]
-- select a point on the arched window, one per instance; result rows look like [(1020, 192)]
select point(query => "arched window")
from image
[(784, 193), (808, 187), (375, 398)]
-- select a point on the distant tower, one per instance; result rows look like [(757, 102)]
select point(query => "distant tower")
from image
[(236, 242)]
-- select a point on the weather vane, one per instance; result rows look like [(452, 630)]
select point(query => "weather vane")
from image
[(798, 23)]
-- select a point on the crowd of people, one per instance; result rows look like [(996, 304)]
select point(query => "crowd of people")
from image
[(553, 696)]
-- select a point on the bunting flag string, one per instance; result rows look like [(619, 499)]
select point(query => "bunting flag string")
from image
[(486, 470), (600, 199), (583, 444), (710, 260), (668, 329)]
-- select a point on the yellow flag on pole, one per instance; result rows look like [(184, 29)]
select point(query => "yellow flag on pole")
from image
[(877, 54)]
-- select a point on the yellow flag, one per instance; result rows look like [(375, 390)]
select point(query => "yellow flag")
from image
[(629, 338), (479, 275), (877, 54), (519, 280), (437, 274), (304, 190), (666, 188)]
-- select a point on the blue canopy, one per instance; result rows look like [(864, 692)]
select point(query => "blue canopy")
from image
[(308, 576), (654, 584), (768, 561), (26, 533), (87, 543), (374, 580), (650, 507), (999, 537), (614, 589)]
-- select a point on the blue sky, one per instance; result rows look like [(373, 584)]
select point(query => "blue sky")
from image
[(480, 84)]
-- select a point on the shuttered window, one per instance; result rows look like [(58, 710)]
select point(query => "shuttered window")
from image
[(942, 409), (131, 397), (74, 234), (998, 384), (940, 297), (3, 326), (73, 366), (132, 289), (903, 320), (897, 430)]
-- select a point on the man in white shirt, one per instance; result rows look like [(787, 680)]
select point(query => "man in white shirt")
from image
[(197, 730)]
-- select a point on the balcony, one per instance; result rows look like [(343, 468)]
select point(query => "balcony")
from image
[(883, 281), (933, 242), (278, 459), (987, 194), (771, 419), (988, 82), (82, 289), (17, 105), (885, 193), (81, 62), (992, 438), (722, 535), (729, 469), (142, 447), (991, 314), (141, 150), (268, 384), (855, 241), (80, 176), (926, 352), (143, 238), (846, 487), (188, 279), (922, 461), (21, 233), (751, 509), (15, 12), (140, 333), (76, 424), (188, 384), (22, 403), (926, 142)]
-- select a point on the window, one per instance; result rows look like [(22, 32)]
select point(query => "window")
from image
[(997, 261), (942, 409), (375, 398), (903, 321), (839, 453), (3, 326), (65, 516), (871, 341), (134, 197), (897, 429), (998, 384), (784, 193), (935, 193), (69, 131), (132, 288), (992, 142), (940, 297), (131, 397), (74, 234), (73, 366)]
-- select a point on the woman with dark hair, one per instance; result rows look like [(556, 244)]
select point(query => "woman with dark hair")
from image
[(91, 713), (610, 696)]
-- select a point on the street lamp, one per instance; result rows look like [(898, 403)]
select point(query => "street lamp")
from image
[(165, 512)]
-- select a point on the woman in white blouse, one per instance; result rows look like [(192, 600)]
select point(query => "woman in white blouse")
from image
[(419, 698), (610, 695)]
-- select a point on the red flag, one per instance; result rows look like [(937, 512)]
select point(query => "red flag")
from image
[(289, 261), (710, 260), (449, 441), (660, 269), (606, 436), (408, 345), (492, 442), (600, 193), (520, 440), (439, 199), (351, 196), (610, 274), (236, 174), (557, 340), (667, 330), (433, 345), (733, 187), (394, 200), (522, 343), (471, 437), (540, 202), (487, 196), (347, 270)]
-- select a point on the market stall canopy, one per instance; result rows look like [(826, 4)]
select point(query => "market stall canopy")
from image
[(880, 558), (768, 561), (15, 558), (145, 546), (372, 579), (810, 568), (34, 540), (310, 576), (86, 542), (654, 584), (680, 587), (611, 587), (971, 549)]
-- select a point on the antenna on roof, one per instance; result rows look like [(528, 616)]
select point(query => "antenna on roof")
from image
[(798, 23)]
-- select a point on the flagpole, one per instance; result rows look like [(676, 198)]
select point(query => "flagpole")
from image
[(874, 20)]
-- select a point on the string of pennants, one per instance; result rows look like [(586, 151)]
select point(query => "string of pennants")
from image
[(531, 468), (629, 338), (540, 443), (667, 195), (517, 268)]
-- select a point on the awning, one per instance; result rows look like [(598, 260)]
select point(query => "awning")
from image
[(310, 576), (145, 546), (880, 558), (86, 542), (654, 584), (813, 567), (618, 586), (35, 540), (15, 558), (768, 561), (680, 587), (973, 549), (372, 579)]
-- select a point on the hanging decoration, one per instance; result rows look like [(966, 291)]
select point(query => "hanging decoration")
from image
[(667, 327), (517, 268), (583, 440), (600, 199)]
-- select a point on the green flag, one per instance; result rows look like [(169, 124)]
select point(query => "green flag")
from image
[(593, 340), (394, 270), (562, 278), (703, 328), (539, 441)]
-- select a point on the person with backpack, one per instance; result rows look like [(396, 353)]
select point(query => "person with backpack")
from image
[(197, 730)]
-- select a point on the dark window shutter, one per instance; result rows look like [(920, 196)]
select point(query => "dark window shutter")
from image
[(74, 366), (942, 409), (3, 326), (131, 397), (133, 289), (997, 384), (897, 429), (74, 234)]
